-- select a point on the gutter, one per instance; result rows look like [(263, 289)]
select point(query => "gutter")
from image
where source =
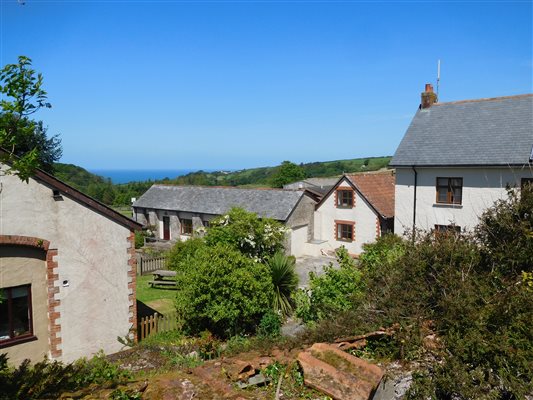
[(414, 200)]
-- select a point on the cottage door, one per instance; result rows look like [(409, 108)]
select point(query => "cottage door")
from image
[(166, 228)]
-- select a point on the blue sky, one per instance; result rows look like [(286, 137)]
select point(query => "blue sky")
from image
[(235, 84)]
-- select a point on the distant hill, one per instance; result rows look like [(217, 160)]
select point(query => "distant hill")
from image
[(261, 176), (120, 195)]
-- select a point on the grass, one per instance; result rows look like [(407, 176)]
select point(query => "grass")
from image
[(160, 299), (126, 211)]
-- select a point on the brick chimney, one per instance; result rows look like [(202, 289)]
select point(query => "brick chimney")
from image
[(428, 96)]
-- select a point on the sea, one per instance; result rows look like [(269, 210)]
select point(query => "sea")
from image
[(139, 175)]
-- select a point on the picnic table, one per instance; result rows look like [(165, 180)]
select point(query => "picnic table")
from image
[(160, 278)]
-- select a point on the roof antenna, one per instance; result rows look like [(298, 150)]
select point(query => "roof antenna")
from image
[(438, 78)]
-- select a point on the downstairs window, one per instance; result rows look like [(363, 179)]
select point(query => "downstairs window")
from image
[(15, 314)]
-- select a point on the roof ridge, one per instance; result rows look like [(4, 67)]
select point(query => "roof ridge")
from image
[(484, 99), (223, 187)]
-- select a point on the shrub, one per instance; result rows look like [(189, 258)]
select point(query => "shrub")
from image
[(285, 281), (221, 290), (258, 238), (507, 229), (332, 292), (270, 325), (48, 379), (183, 253), (383, 252)]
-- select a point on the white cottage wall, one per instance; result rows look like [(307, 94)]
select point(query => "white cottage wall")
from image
[(362, 214), (92, 260), (481, 188)]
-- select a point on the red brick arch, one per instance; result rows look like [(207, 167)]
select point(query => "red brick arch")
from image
[(52, 279)]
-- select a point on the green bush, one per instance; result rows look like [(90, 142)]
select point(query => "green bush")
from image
[(222, 291), (258, 238), (472, 290), (48, 379), (383, 252), (285, 281), (270, 325), (139, 239), (334, 291)]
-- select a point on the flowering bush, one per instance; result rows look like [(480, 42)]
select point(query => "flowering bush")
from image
[(258, 238)]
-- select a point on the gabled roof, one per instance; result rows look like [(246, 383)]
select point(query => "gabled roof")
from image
[(484, 132), (377, 188), (87, 201), (272, 203)]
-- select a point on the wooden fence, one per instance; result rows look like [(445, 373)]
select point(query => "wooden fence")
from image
[(149, 264), (155, 324)]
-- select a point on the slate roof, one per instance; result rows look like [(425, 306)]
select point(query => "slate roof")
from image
[(271, 203), (378, 189), (497, 131)]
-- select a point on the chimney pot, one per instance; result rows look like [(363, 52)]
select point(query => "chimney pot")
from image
[(428, 97)]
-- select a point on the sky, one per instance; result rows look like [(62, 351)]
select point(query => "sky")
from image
[(238, 84)]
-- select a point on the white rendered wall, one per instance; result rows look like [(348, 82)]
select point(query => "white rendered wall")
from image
[(362, 214), (92, 256), (481, 188)]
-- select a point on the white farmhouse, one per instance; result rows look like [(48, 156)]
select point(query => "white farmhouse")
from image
[(357, 210), (456, 159), (67, 271)]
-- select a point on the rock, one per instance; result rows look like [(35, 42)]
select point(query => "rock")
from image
[(256, 380), (292, 327), (338, 374), (393, 388)]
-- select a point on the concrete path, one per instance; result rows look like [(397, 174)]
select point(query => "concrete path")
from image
[(307, 264)]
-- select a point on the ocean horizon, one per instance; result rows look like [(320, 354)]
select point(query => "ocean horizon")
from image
[(139, 175)]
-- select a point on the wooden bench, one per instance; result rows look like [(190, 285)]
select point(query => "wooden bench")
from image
[(159, 278)]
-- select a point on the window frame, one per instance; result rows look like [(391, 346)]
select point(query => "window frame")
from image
[(449, 190), (441, 229), (183, 232), (338, 230), (13, 340), (339, 198)]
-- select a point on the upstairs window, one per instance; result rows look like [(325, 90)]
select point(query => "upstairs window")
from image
[(186, 226), (15, 314), (449, 190), (345, 198)]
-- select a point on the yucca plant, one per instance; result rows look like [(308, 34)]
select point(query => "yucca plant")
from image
[(285, 280)]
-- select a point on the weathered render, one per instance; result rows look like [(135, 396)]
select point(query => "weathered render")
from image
[(371, 213), (477, 147), (168, 209), (78, 257)]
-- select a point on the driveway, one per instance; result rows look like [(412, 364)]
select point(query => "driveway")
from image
[(307, 264)]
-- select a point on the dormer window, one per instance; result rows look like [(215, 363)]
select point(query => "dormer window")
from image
[(344, 198)]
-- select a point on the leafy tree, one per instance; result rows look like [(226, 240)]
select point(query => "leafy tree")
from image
[(285, 281), (221, 290), (287, 172), (24, 140), (30, 135), (258, 238)]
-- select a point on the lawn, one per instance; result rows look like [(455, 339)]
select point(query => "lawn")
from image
[(160, 299)]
